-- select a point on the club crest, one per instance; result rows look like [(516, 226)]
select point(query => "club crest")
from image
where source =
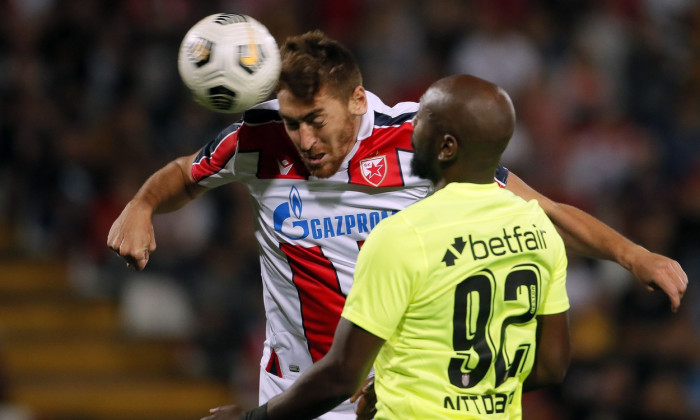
[(373, 169)]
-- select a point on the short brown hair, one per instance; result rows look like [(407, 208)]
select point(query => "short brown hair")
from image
[(313, 60)]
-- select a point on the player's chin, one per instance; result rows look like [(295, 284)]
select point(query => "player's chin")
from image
[(322, 170), (321, 173)]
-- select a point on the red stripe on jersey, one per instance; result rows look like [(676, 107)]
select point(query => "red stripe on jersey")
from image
[(279, 157), (210, 164), (319, 295), (376, 162), (273, 365)]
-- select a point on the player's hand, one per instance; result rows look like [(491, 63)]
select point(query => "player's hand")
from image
[(659, 272), (366, 399), (226, 412), (132, 236)]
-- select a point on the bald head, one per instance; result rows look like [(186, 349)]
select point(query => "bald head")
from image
[(468, 121)]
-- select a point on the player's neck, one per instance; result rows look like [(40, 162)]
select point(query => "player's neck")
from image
[(470, 175), (356, 124)]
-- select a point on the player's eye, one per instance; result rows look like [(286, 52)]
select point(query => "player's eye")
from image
[(315, 121), (291, 125), (318, 122)]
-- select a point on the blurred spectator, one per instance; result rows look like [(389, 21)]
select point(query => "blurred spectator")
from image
[(608, 98), (497, 50)]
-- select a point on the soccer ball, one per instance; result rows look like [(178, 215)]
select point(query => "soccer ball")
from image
[(229, 61)]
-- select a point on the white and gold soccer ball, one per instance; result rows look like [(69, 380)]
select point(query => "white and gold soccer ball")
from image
[(229, 61)]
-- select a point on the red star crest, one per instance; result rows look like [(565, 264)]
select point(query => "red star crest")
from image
[(373, 169)]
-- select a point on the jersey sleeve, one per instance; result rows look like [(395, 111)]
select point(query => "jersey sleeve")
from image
[(214, 163), (501, 176), (385, 278), (556, 299)]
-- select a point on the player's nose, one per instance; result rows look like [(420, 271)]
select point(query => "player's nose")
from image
[(307, 137)]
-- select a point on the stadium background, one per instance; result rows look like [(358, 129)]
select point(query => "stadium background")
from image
[(608, 100)]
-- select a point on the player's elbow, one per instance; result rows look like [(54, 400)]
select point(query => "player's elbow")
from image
[(555, 373), (556, 354), (546, 374)]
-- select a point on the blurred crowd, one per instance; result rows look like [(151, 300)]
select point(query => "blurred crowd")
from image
[(607, 94)]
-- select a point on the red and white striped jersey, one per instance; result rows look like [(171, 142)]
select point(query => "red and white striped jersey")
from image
[(310, 229)]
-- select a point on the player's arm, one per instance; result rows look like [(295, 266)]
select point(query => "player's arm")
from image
[(326, 384), (553, 351), (168, 189), (333, 379), (588, 236)]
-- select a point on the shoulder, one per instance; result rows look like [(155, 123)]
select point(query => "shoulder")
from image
[(387, 116), (259, 116), (540, 219), (261, 128), (384, 154), (392, 229), (422, 214), (392, 246), (263, 113)]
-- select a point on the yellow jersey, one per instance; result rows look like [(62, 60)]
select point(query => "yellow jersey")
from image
[(453, 284)]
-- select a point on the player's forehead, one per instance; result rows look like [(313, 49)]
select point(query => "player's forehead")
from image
[(293, 108), (299, 113)]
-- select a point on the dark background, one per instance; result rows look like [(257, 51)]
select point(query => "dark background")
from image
[(607, 95)]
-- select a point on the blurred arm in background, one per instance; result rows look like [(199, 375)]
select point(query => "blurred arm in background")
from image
[(588, 236)]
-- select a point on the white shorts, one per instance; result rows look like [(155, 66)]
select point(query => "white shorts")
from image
[(271, 385)]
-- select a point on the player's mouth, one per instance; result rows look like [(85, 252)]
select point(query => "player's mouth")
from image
[(315, 160)]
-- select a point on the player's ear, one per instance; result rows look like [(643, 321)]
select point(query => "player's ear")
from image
[(358, 101), (448, 148)]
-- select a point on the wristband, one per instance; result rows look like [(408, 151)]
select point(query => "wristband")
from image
[(259, 413)]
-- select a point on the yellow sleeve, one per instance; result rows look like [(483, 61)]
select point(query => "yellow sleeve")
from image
[(556, 299)]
